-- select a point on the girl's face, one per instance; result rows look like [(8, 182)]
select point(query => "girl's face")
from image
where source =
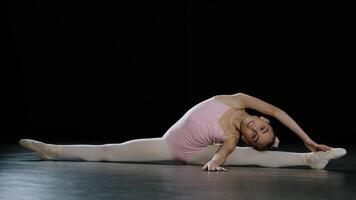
[(256, 131)]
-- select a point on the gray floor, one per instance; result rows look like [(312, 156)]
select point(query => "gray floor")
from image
[(24, 176)]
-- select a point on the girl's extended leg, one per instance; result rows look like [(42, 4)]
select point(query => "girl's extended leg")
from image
[(250, 156), (147, 149)]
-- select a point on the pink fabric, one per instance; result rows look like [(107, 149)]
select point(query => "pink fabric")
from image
[(197, 128)]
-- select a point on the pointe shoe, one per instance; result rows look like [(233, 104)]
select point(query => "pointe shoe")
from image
[(319, 159), (45, 151)]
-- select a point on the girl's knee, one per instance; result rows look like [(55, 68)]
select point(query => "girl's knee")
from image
[(107, 152)]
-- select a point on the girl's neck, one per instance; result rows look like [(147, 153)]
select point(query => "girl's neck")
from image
[(237, 118)]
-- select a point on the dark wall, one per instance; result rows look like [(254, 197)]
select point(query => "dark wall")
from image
[(84, 71)]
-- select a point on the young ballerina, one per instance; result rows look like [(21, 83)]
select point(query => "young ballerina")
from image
[(207, 134)]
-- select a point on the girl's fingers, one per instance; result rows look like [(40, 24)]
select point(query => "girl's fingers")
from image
[(327, 147), (221, 169), (324, 147), (213, 168)]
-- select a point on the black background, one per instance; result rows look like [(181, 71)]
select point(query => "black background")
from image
[(81, 71)]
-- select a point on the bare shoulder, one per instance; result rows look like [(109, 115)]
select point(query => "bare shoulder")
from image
[(230, 100)]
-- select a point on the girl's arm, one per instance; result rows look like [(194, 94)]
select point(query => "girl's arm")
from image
[(248, 101), (227, 147)]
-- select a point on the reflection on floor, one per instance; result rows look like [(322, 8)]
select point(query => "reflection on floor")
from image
[(24, 176)]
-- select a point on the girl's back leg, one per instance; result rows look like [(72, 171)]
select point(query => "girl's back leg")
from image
[(146, 149)]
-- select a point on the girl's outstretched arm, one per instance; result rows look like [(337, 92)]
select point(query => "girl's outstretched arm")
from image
[(259, 105)]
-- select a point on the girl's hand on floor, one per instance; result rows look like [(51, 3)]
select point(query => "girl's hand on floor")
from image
[(212, 166)]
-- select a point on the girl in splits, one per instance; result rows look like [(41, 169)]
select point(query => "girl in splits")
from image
[(207, 134)]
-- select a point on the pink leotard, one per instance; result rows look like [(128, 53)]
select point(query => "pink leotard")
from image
[(197, 128)]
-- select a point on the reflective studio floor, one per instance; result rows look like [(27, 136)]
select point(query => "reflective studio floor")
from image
[(24, 176)]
